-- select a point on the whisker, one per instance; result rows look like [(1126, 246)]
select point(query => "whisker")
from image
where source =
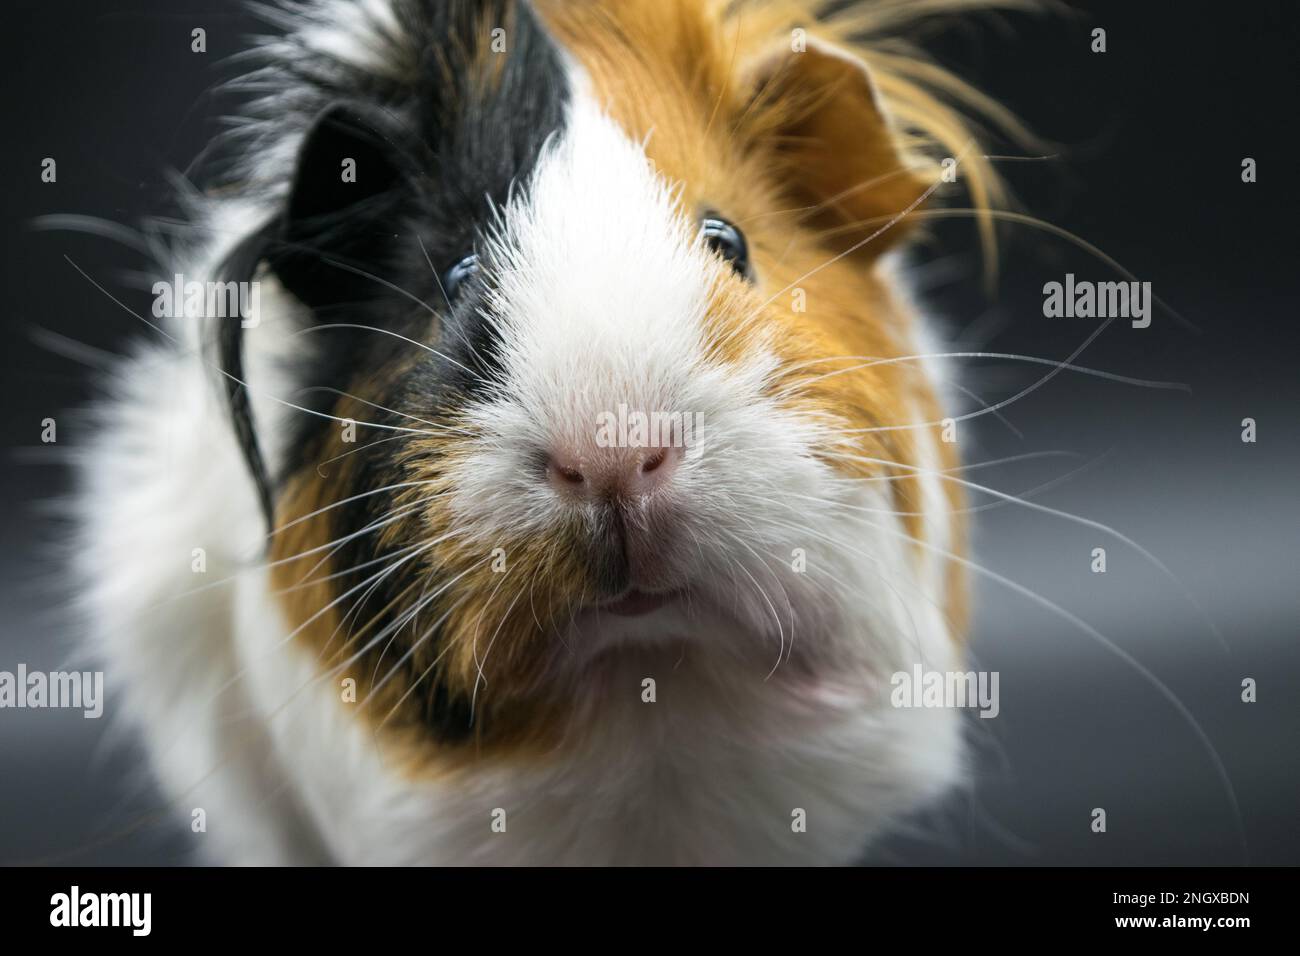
[(373, 328), (1110, 646), (171, 338), (1024, 219), (414, 298), (884, 578), (1068, 516), (390, 517), (382, 408), (481, 680), (871, 361), (377, 441), (352, 498)]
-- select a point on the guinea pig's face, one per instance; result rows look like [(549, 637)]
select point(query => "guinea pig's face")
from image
[(606, 310)]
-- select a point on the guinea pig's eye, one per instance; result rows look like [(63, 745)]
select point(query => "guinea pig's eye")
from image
[(727, 241), (456, 276)]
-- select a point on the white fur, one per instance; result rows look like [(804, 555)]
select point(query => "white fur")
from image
[(772, 695)]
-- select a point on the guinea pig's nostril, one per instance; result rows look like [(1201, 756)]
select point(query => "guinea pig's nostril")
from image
[(654, 461), (613, 473), (564, 473), (654, 471)]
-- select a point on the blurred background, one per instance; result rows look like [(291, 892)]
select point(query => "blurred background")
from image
[(1147, 141)]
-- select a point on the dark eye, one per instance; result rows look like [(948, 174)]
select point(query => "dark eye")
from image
[(727, 241), (455, 277)]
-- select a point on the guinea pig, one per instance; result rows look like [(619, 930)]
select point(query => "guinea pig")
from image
[(577, 484)]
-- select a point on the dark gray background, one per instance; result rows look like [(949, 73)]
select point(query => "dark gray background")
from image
[(1150, 135)]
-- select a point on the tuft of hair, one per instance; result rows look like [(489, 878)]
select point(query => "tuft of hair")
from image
[(935, 114)]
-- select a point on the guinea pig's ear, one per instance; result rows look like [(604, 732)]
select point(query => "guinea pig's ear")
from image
[(836, 149), (340, 216)]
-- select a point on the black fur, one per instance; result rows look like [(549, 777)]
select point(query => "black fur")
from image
[(436, 157)]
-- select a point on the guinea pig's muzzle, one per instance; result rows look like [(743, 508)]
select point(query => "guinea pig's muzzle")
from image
[(632, 519)]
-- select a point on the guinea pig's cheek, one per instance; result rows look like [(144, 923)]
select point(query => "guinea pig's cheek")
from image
[(736, 324)]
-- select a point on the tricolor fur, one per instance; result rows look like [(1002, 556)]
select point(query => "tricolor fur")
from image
[(430, 561)]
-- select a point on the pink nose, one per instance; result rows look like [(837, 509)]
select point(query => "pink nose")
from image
[(613, 472)]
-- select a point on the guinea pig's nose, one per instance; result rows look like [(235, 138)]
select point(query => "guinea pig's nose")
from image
[(613, 472)]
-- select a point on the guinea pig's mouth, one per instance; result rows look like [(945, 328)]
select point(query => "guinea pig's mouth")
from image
[(637, 603)]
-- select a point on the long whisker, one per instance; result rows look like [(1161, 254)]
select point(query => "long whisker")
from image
[(1057, 368), (988, 408), (425, 673), (1068, 516), (317, 614), (445, 298), (390, 517), (414, 298), (233, 378), (971, 509), (348, 500), (889, 223), (373, 328), (781, 651), (871, 361), (353, 451), (1006, 215), (382, 408), (1109, 645), (974, 466), (334, 575), (881, 575), (481, 680)]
